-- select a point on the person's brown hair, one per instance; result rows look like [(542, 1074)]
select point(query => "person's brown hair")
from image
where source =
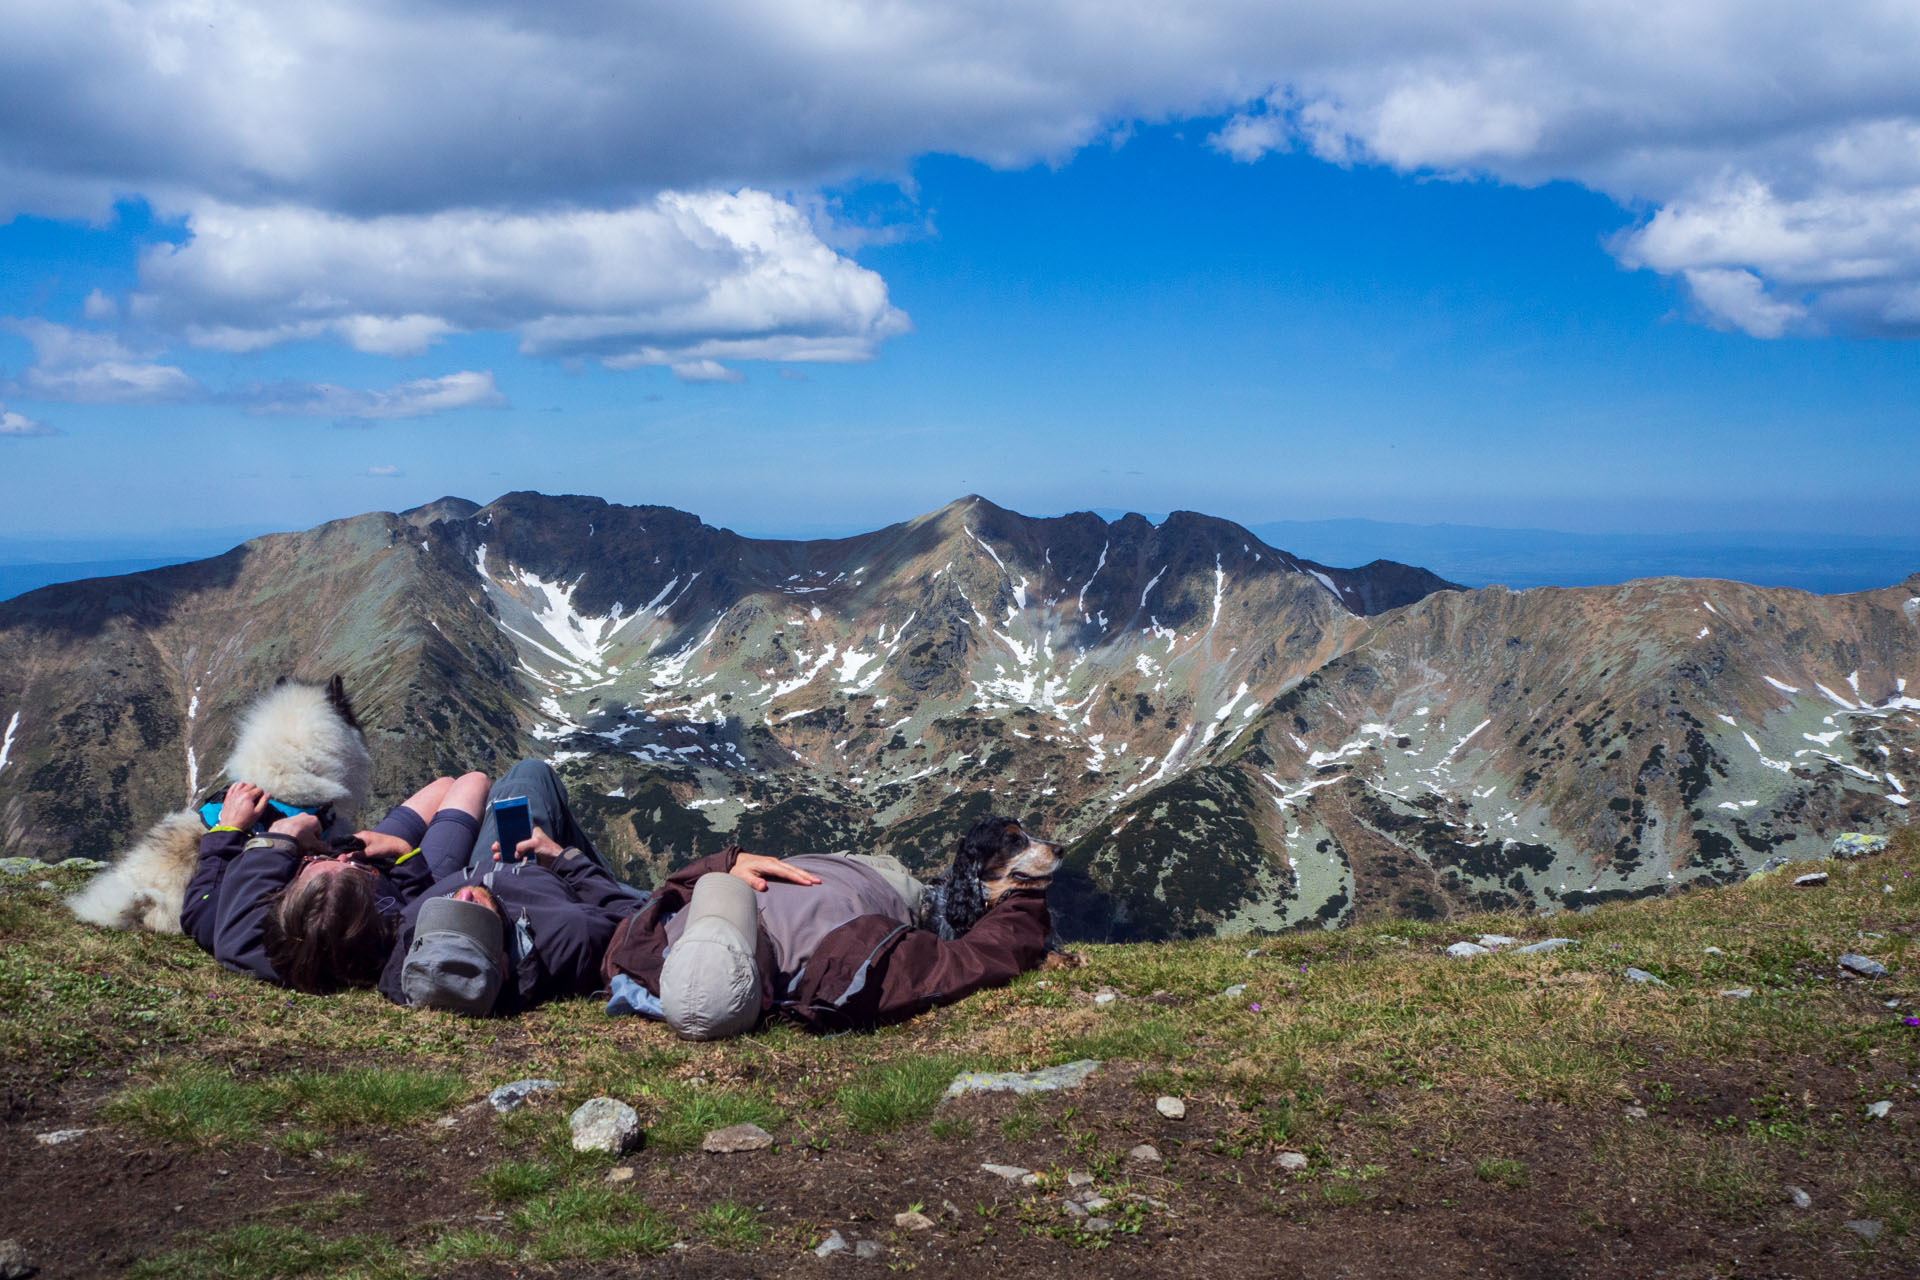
[(325, 933)]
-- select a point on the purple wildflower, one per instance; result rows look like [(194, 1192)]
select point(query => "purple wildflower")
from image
[(1910, 1021), (1255, 1006)]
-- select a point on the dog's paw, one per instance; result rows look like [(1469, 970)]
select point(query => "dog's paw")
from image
[(1062, 960)]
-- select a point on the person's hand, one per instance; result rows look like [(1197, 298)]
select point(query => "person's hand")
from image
[(378, 846), (757, 868), (538, 845), (243, 806), (305, 830)]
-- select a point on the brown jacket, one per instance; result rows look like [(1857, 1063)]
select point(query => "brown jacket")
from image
[(869, 971)]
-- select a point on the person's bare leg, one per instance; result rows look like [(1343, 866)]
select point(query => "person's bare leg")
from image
[(453, 824), (426, 801), (467, 793)]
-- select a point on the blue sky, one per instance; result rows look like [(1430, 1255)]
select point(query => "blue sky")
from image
[(1299, 288)]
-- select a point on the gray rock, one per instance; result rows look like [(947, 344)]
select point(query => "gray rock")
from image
[(1547, 944), (80, 864), (834, 1243), (1715, 951), (1290, 1161), (1094, 1204), (1801, 1200), (1494, 940), (447, 1122), (1171, 1108), (1233, 992), (13, 1261), (1031, 1180), (1251, 954), (1145, 1152), (1879, 1110), (59, 1137), (1070, 1075), (1812, 880), (1855, 844), (1863, 966), (1104, 997), (1738, 993), (1011, 1172), (620, 1173), (736, 1138), (869, 1249), (1099, 1224), (1641, 975), (1079, 1179), (21, 866), (605, 1124), (1636, 1113), (1073, 1210), (1774, 863), (508, 1097), (1865, 1228), (1467, 950), (913, 1221)]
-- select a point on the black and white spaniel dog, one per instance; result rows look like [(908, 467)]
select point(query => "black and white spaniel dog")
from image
[(995, 855)]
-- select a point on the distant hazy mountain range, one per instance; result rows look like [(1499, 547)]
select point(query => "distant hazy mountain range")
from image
[(1824, 563), (1231, 736)]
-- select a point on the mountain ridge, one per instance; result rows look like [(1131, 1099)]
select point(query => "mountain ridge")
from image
[(1224, 732)]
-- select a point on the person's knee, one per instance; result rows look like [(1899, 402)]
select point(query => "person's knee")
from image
[(524, 772)]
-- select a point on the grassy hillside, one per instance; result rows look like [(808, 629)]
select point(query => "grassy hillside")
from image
[(1533, 1115)]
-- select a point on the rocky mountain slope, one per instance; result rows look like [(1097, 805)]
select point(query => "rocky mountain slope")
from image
[(1233, 737)]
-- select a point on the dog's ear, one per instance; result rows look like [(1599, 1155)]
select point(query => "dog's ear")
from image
[(342, 705)]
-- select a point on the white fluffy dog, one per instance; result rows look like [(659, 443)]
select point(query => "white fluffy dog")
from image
[(300, 742)]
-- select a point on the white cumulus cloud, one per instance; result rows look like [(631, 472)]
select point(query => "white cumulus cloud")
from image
[(679, 278), (88, 367), (706, 371), (417, 399), (19, 424), (250, 117)]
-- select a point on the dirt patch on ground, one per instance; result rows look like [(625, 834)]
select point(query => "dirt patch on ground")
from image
[(1395, 1184)]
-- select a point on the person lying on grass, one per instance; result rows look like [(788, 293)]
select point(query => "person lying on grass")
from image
[(286, 906), (832, 941), (504, 936)]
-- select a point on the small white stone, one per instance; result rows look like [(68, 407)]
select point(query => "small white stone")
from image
[(1801, 1200), (1496, 940), (57, 1137), (1145, 1152), (1467, 950), (1105, 997), (1290, 1161), (1878, 1111), (913, 1221), (605, 1124), (620, 1173), (1011, 1172), (1079, 1179), (1171, 1108)]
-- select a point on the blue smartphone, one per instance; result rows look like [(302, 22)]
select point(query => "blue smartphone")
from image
[(512, 823)]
